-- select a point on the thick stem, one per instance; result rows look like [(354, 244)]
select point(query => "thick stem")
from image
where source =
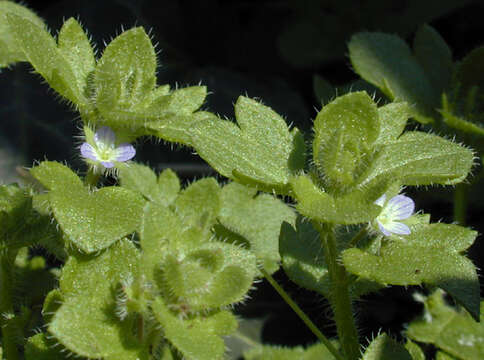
[(9, 345), (340, 295), (285, 296), (460, 203)]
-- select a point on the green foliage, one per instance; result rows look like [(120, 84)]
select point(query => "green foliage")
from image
[(387, 62), (266, 352), (384, 347), (11, 51), (87, 284), (449, 329), (257, 219), (345, 131), (39, 347), (431, 254), (140, 178), (258, 150), (91, 221)]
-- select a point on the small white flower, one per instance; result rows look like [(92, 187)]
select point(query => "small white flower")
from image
[(399, 207), (104, 150)]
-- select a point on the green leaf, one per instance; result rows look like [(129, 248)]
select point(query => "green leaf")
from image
[(124, 76), (39, 347), (345, 131), (142, 179), (260, 148), (434, 56), (468, 73), (353, 208), (267, 352), (414, 350), (11, 51), (386, 61), (431, 254), (199, 204), (211, 277), (449, 329), (257, 219), (86, 323), (41, 51), (75, 47), (417, 158), (393, 118), (89, 220), (197, 338), (384, 347)]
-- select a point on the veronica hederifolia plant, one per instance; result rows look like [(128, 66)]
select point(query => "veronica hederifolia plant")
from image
[(152, 270)]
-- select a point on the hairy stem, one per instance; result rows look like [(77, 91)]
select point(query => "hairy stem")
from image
[(302, 315), (360, 235), (460, 203), (340, 296)]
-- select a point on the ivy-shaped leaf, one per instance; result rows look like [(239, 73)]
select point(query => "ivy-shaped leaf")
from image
[(431, 254), (267, 352), (89, 220), (257, 219), (41, 50), (259, 149), (140, 178), (86, 322)]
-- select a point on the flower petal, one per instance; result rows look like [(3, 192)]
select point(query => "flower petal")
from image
[(105, 136), (107, 164), (401, 207), (381, 200), (125, 152), (88, 152), (398, 228), (383, 229)]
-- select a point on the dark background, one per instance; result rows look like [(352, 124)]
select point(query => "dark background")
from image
[(270, 49)]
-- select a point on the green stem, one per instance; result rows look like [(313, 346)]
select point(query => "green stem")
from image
[(9, 345), (340, 295), (285, 296), (460, 203), (360, 235), (91, 178)]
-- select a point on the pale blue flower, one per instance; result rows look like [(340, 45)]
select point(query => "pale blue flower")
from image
[(399, 207), (104, 150)]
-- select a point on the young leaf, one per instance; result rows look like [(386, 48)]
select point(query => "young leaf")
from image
[(89, 220), (386, 61), (434, 56), (417, 158), (384, 347), (76, 49), (86, 322), (451, 330), (198, 338), (41, 51), (125, 76), (10, 50), (430, 254), (260, 148), (39, 347), (257, 219), (345, 131)]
